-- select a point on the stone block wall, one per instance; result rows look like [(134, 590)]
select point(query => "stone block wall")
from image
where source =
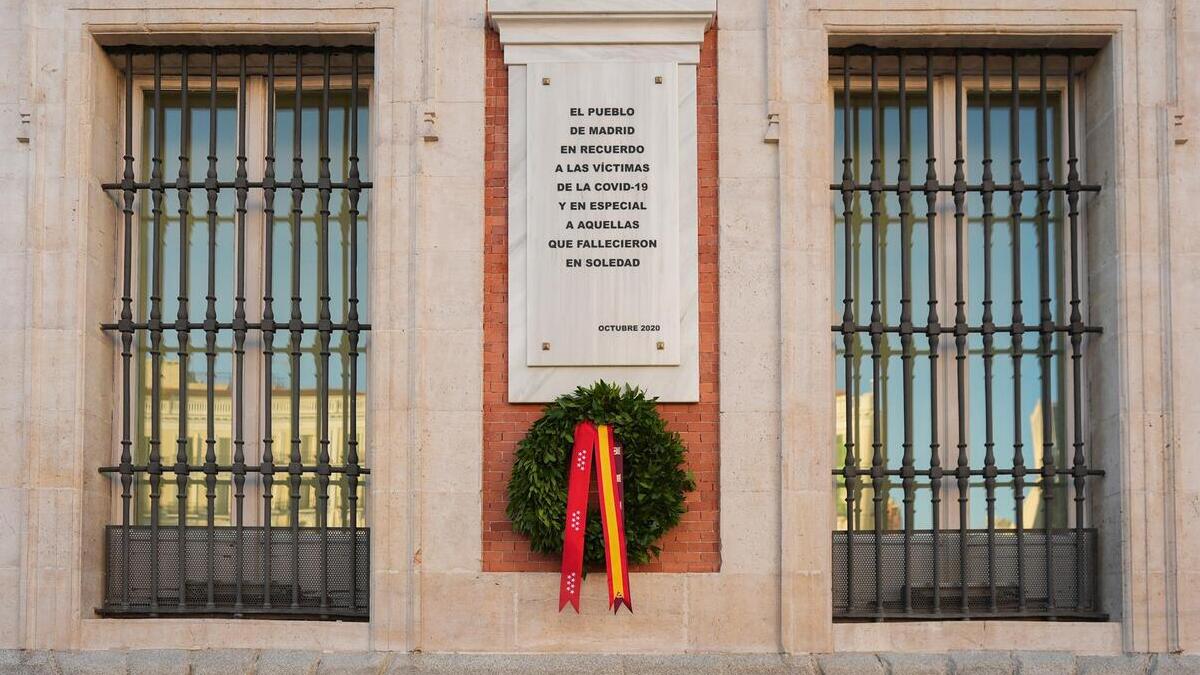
[(750, 571)]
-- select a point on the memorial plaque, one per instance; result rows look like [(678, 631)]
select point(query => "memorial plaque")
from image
[(603, 197), (602, 249)]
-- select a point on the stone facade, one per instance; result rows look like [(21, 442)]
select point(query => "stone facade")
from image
[(435, 586), (264, 662)]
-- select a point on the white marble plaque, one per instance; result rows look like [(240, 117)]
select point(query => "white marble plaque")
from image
[(602, 255), (589, 55)]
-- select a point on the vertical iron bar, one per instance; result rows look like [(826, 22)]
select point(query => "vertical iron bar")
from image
[(210, 333), (849, 339), (1045, 330), (1016, 193), (962, 470), (296, 325), (877, 464), (267, 469), (352, 329), (1078, 464), (907, 472), (856, 234), (156, 327), (181, 321), (988, 328), (239, 331), (933, 328), (128, 193), (324, 331)]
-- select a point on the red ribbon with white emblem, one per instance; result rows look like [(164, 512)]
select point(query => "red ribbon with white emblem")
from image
[(592, 439)]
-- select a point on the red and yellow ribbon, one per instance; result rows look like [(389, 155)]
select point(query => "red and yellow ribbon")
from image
[(597, 439)]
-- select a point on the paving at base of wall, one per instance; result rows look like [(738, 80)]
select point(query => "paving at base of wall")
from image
[(270, 662)]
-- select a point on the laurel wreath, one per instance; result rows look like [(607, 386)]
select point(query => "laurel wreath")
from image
[(654, 476)]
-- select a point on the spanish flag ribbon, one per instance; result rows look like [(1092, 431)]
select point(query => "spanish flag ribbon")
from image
[(598, 439)]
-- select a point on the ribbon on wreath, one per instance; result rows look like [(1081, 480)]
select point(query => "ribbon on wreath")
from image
[(592, 439)]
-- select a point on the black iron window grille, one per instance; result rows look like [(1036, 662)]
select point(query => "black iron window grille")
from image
[(961, 474), (243, 334)]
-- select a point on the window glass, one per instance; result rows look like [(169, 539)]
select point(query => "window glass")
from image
[(860, 391), (339, 291), (179, 247), (195, 243)]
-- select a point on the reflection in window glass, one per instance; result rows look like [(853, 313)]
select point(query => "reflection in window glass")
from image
[(860, 388), (339, 285), (177, 245)]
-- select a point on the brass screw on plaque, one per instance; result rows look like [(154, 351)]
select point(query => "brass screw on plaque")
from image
[(658, 79), (545, 81), (661, 345), (545, 346)]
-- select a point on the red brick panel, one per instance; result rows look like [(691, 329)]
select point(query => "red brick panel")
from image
[(694, 545)]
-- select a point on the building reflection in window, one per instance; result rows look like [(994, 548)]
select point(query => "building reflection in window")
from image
[(195, 389)]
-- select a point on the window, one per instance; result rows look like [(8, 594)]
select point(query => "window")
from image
[(961, 473), (243, 330)]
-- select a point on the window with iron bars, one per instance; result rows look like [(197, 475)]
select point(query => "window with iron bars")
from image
[(243, 334), (961, 474)]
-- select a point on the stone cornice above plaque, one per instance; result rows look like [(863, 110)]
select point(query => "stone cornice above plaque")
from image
[(585, 30)]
